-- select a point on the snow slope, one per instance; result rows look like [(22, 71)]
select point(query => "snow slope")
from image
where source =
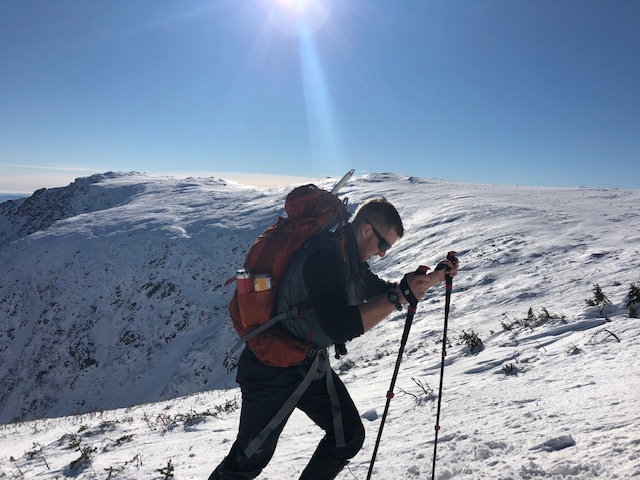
[(122, 304)]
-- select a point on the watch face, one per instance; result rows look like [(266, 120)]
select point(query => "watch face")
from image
[(394, 298)]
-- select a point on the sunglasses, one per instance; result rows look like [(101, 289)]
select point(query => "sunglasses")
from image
[(383, 245)]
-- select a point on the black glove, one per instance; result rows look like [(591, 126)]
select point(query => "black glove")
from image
[(451, 256), (404, 286)]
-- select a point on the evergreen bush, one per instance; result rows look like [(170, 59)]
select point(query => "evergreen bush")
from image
[(633, 300), (472, 342), (599, 299)]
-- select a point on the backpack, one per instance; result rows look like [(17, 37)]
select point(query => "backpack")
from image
[(309, 210)]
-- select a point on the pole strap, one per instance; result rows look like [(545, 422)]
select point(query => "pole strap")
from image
[(406, 291)]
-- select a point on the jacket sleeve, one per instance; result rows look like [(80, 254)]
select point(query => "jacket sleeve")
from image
[(325, 277), (374, 285)]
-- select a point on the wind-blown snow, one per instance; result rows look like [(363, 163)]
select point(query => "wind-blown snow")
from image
[(114, 325)]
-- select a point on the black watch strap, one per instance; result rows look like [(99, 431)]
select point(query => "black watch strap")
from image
[(394, 298)]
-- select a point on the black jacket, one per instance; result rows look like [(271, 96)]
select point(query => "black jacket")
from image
[(320, 277)]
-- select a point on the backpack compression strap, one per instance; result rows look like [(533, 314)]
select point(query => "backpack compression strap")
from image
[(291, 403), (284, 411), (336, 412), (230, 362)]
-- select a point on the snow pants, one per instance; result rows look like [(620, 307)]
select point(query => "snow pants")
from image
[(264, 390)]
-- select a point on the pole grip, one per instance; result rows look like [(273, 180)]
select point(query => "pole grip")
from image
[(451, 256)]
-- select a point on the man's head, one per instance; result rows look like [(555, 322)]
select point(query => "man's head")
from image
[(377, 226)]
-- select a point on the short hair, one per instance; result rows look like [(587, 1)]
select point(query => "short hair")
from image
[(381, 212)]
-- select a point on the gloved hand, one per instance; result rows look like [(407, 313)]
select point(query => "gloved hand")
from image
[(414, 285)]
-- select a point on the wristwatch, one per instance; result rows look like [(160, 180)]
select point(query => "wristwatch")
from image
[(394, 298)]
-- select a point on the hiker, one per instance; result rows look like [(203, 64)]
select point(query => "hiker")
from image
[(346, 300)]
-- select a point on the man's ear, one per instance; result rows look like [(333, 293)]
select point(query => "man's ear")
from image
[(363, 230)]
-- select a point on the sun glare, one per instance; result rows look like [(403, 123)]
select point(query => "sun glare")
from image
[(299, 17), (300, 6), (295, 5), (303, 20)]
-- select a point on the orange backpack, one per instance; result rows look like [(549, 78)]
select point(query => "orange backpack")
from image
[(309, 210)]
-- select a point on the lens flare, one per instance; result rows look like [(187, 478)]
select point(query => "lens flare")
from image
[(303, 20)]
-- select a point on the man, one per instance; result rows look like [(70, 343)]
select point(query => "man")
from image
[(346, 300)]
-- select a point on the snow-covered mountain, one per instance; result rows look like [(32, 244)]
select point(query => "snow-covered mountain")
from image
[(112, 295), (10, 196), (112, 290)]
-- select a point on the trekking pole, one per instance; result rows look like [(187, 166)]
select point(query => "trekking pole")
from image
[(451, 256), (411, 311)]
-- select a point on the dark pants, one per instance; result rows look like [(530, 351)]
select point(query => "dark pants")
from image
[(264, 390)]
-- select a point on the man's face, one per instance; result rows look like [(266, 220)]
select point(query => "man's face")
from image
[(374, 240)]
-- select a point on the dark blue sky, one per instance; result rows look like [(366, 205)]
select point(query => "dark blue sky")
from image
[(541, 92)]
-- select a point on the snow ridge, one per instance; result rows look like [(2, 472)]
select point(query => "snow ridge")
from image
[(22, 217), (104, 311)]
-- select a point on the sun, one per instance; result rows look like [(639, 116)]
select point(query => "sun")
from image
[(299, 17), (293, 5)]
